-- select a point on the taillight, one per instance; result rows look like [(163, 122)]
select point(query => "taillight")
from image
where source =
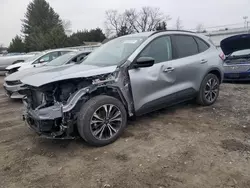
[(222, 56)]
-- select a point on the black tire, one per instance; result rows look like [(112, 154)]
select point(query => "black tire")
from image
[(85, 117), (201, 98)]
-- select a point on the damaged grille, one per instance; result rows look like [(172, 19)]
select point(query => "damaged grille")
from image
[(39, 99), (36, 99)]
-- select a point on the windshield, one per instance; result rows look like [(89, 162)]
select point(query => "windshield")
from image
[(241, 53), (32, 58), (114, 52), (62, 59)]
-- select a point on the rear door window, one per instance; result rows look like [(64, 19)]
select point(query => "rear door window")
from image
[(78, 59), (81, 57), (184, 46)]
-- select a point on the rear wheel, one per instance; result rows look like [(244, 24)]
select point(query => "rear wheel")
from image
[(209, 90), (101, 120)]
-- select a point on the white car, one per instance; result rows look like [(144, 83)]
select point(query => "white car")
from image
[(8, 59), (37, 60), (13, 85)]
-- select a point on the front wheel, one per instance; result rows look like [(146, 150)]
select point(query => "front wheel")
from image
[(209, 90), (101, 120)]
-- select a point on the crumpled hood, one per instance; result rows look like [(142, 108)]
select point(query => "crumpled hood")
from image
[(28, 72), (235, 43), (64, 73)]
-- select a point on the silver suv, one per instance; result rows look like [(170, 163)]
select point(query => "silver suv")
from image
[(128, 76)]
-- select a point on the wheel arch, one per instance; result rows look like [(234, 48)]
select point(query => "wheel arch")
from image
[(106, 90), (216, 71), (110, 91)]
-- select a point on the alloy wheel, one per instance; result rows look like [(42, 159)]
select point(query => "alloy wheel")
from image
[(211, 90), (106, 122)]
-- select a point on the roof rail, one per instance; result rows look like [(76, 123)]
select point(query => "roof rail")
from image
[(172, 30)]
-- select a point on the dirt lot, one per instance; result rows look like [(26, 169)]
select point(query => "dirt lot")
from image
[(185, 146)]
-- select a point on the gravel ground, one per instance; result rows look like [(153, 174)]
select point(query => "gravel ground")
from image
[(186, 146)]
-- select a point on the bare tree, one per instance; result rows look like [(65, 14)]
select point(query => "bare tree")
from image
[(116, 23), (112, 21), (67, 27), (131, 17), (147, 19), (179, 24), (200, 28)]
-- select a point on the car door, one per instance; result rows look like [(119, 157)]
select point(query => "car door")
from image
[(188, 65), (150, 85)]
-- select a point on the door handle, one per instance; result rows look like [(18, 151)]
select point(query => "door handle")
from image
[(203, 61), (169, 69)]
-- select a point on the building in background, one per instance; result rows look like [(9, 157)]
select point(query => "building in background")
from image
[(219, 35)]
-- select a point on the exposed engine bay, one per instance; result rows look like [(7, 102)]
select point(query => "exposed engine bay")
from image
[(52, 109)]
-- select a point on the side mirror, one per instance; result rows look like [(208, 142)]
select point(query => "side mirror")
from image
[(42, 61), (144, 62)]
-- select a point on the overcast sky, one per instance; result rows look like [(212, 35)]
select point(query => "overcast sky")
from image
[(90, 13)]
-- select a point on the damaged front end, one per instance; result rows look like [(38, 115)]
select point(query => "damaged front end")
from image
[(52, 110)]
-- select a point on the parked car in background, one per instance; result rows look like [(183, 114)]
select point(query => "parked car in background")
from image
[(237, 57), (37, 60), (12, 54), (127, 76), (33, 53), (13, 85), (7, 60)]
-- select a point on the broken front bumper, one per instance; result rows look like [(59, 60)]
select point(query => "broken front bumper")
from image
[(52, 122), (48, 122)]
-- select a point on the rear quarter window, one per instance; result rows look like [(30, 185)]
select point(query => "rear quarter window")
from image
[(202, 45), (64, 52)]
